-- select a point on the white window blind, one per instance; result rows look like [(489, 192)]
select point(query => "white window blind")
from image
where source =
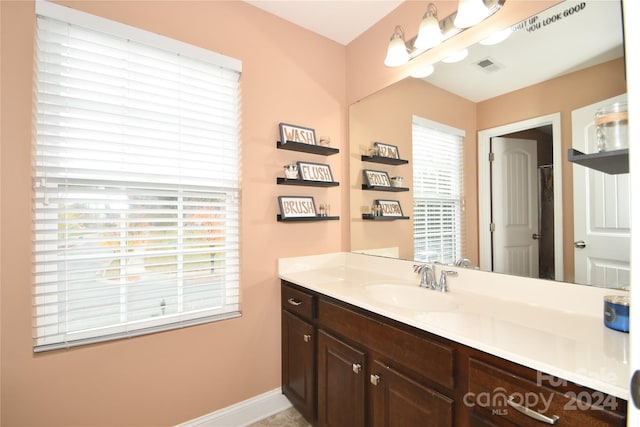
[(136, 152), (438, 197)]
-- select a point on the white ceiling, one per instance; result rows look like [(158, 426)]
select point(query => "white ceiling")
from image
[(339, 20), (581, 39)]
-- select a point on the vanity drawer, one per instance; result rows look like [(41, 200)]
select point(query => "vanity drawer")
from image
[(297, 301), (401, 350), (500, 396)]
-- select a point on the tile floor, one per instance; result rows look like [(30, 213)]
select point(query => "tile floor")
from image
[(287, 418)]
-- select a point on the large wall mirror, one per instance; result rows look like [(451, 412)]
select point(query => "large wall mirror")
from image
[(566, 60)]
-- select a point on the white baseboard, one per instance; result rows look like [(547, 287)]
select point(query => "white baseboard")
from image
[(243, 413)]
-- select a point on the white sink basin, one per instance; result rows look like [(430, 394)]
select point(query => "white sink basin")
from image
[(411, 297)]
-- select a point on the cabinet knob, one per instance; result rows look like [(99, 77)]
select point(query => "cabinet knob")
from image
[(356, 368), (306, 337), (375, 379)]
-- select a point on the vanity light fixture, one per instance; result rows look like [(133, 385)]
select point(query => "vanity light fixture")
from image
[(397, 53), (429, 34), (423, 72), (470, 13), (497, 37), (433, 32), (456, 56)]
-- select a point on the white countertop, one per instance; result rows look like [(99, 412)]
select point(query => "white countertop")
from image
[(553, 327)]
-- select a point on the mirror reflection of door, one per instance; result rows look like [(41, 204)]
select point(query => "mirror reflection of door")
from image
[(514, 206), (602, 231)]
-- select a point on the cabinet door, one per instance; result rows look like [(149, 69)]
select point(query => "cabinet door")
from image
[(397, 400), (298, 380), (340, 383)]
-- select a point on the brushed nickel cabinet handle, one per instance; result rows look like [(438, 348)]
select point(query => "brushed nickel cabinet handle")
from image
[(306, 337), (375, 379), (356, 368), (531, 413), (294, 302)]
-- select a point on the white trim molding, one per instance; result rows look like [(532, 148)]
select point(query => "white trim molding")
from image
[(243, 413)]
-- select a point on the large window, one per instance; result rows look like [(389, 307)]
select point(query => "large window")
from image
[(135, 181), (438, 197)]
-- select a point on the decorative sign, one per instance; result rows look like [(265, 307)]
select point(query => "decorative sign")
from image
[(389, 207), (315, 172), (297, 207), (386, 150), (292, 133), (376, 178)]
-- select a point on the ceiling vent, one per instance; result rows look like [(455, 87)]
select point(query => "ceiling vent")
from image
[(488, 65)]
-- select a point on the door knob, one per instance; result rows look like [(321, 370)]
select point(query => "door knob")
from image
[(580, 244), (635, 389), (535, 236)]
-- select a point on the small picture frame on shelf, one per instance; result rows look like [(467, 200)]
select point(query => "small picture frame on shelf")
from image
[(373, 178), (315, 172), (299, 134), (390, 208), (297, 207), (386, 150)]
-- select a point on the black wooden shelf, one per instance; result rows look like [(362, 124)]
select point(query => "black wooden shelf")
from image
[(383, 188), (309, 218), (384, 160), (612, 162), (370, 217), (307, 148), (306, 183)]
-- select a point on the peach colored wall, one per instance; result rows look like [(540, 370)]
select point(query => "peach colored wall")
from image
[(290, 75), (563, 94), (386, 116)]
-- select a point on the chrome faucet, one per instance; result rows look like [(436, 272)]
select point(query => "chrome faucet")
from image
[(427, 275), (463, 262), (442, 284)]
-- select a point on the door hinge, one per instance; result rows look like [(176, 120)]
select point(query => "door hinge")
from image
[(492, 157), (492, 227)]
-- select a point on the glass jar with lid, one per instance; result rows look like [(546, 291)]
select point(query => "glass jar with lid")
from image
[(612, 127)]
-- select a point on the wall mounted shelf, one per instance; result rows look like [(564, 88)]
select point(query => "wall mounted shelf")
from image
[(382, 188), (307, 148), (384, 160), (305, 183), (307, 219), (612, 162), (370, 217)]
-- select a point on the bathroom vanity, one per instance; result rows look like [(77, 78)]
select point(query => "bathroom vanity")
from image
[(364, 345)]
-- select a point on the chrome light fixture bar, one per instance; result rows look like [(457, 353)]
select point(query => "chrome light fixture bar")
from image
[(401, 51)]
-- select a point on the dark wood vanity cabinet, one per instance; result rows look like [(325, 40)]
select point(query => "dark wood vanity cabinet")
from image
[(343, 366), (298, 351)]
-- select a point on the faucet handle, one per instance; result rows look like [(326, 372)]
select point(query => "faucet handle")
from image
[(442, 285)]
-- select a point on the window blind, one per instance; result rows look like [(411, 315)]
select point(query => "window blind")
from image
[(136, 188), (437, 191)]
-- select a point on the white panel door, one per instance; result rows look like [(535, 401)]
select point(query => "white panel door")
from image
[(514, 203), (601, 205)]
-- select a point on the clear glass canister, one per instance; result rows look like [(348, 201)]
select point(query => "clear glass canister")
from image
[(612, 127)]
